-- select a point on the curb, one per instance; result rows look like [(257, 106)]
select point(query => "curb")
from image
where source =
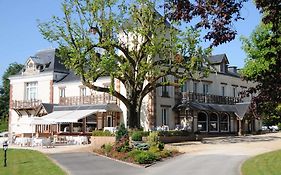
[(131, 164)]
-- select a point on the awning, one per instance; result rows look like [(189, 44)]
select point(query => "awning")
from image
[(71, 114), (55, 115), (77, 115), (239, 108)]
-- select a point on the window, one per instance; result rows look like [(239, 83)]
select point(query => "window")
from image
[(205, 89), (223, 90), (184, 88), (195, 87), (202, 122), (83, 91), (224, 122), (165, 116), (164, 89), (31, 90), (109, 121), (214, 120), (62, 92), (234, 91)]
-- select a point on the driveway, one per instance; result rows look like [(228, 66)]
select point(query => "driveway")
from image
[(215, 156), (86, 163)]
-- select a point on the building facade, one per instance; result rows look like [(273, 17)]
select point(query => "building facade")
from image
[(47, 90)]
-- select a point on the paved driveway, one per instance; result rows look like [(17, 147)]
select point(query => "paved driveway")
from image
[(218, 157), (90, 164), (86, 163)]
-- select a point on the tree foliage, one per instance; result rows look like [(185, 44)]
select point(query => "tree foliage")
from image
[(263, 64), (132, 43), (215, 16), (13, 69), (128, 41)]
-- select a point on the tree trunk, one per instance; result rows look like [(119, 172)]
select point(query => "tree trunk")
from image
[(133, 116)]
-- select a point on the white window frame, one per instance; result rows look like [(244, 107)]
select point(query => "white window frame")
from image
[(205, 88), (221, 122), (223, 91), (195, 87), (31, 90), (201, 121), (234, 91), (165, 116), (164, 89), (62, 92), (217, 122), (83, 91)]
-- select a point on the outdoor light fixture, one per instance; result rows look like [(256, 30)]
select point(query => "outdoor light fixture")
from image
[(5, 147)]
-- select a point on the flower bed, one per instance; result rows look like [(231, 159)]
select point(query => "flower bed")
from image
[(136, 151)]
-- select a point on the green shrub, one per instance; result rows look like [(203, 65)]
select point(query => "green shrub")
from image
[(134, 152), (122, 145), (161, 146), (107, 148), (154, 149), (165, 153), (137, 136), (153, 139), (279, 126), (102, 133), (145, 157), (173, 133), (121, 132)]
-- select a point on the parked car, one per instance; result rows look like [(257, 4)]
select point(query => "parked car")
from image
[(273, 128), (265, 128)]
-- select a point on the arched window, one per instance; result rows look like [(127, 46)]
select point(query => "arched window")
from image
[(202, 122), (224, 122), (214, 123)]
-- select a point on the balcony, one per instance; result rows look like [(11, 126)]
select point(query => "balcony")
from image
[(80, 100), (201, 98), (25, 104)]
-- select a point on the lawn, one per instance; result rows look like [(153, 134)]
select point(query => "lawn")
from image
[(28, 162), (264, 164)]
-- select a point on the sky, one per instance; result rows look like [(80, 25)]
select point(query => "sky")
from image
[(20, 37)]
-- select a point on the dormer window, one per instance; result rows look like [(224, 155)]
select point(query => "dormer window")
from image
[(30, 65)]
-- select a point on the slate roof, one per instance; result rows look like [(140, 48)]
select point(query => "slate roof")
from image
[(217, 59), (48, 107), (71, 77)]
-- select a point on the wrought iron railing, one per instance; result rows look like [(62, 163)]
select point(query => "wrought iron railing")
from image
[(207, 98)]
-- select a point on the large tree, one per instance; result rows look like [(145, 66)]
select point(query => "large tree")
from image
[(128, 41), (263, 63), (13, 69)]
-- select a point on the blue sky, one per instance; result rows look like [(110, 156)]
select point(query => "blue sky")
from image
[(20, 37)]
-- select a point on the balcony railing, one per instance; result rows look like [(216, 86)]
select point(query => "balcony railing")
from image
[(93, 99), (25, 104), (208, 98)]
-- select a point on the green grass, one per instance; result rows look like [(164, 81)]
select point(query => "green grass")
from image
[(264, 164), (28, 162)]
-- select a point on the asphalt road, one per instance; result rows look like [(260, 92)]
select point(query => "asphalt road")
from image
[(195, 164)]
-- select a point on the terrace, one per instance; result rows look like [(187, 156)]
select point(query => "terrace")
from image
[(207, 98), (25, 104), (92, 99)]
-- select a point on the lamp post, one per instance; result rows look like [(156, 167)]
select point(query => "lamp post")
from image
[(5, 147)]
